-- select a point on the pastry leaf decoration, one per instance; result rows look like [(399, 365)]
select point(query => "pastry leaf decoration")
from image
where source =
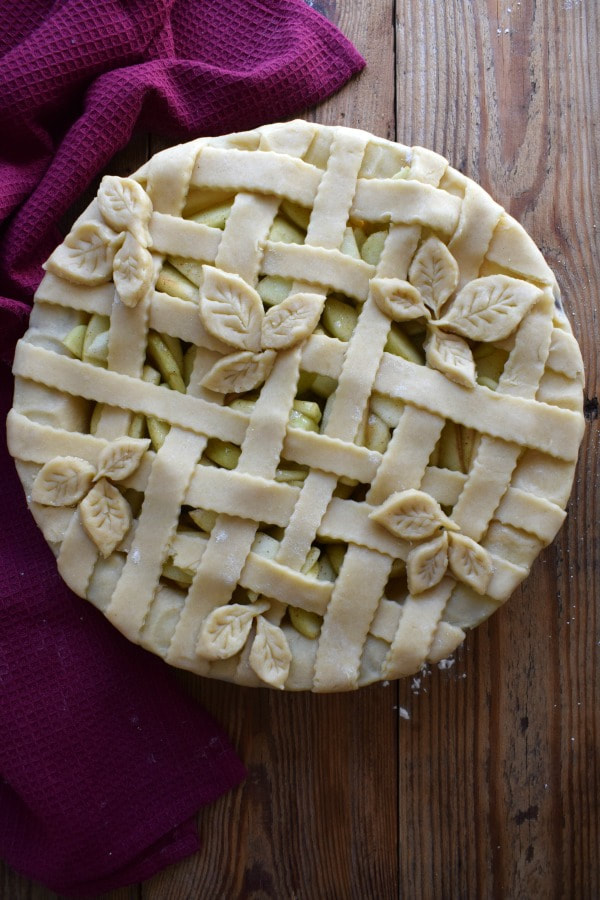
[(231, 310), (86, 254), (411, 515), (62, 481), (125, 206), (291, 321), (469, 562), (487, 309), (398, 299), (450, 354), (426, 564), (239, 372), (106, 516), (121, 458), (132, 271), (104, 512), (416, 517), (226, 630), (434, 272), (490, 308), (270, 655)]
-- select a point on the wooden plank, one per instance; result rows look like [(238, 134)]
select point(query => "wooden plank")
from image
[(298, 827), (506, 799), (368, 100), (14, 886)]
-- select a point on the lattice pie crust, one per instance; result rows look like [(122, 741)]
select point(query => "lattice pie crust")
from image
[(297, 407)]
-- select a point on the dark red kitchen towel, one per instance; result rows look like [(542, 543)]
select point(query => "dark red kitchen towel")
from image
[(103, 762), (77, 76)]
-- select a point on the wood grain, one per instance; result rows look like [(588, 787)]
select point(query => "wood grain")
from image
[(510, 760), (491, 787)]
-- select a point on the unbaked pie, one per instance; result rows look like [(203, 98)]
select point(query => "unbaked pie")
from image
[(297, 407)]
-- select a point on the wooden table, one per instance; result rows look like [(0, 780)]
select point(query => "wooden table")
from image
[(491, 787)]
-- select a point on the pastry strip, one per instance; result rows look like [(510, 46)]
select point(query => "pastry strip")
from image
[(479, 216), (555, 431), (530, 513), (168, 176), (231, 538), (495, 461), (263, 172), (268, 577), (399, 248), (167, 185), (408, 202), (249, 216), (548, 428), (78, 556), (405, 461), (444, 485), (349, 403), (292, 138), (179, 318), (564, 355), (416, 630), (330, 211), (357, 592), (326, 227), (223, 491), (505, 578), (446, 639), (173, 465), (403, 467), (174, 236), (353, 593), (306, 518), (386, 620), (323, 355), (514, 250), (358, 373), (57, 290), (426, 166), (329, 268), (126, 354), (103, 386), (34, 442)]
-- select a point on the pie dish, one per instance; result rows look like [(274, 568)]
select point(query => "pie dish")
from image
[(297, 407)]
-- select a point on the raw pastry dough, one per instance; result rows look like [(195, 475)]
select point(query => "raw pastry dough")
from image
[(297, 407)]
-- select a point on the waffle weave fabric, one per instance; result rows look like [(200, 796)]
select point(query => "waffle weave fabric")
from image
[(103, 761), (76, 79)]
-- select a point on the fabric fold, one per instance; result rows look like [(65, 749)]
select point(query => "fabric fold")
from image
[(179, 69)]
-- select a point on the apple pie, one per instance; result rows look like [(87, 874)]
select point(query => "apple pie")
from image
[(297, 407)]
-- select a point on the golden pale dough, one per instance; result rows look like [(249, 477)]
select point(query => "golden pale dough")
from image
[(297, 407)]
